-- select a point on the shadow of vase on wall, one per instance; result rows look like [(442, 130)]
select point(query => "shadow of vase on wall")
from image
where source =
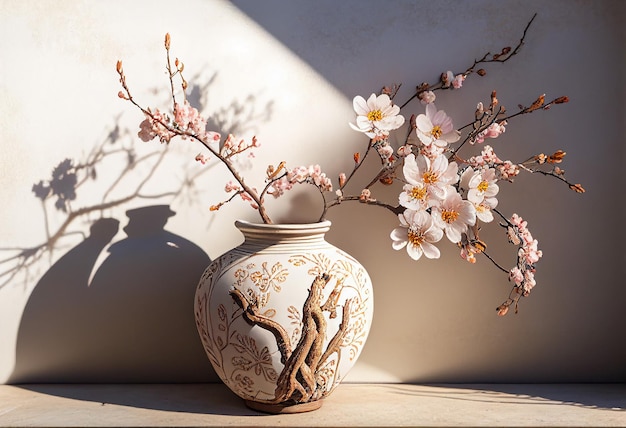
[(132, 323)]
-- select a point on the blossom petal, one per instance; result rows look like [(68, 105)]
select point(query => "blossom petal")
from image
[(399, 237), (414, 251), (360, 105), (430, 251)]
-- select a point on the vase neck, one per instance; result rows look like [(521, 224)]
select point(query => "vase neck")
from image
[(287, 234)]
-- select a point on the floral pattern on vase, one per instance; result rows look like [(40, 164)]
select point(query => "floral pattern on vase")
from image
[(284, 316)]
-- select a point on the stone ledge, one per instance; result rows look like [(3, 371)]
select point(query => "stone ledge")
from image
[(206, 405)]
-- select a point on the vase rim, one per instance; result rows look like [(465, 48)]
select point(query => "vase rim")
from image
[(324, 224)]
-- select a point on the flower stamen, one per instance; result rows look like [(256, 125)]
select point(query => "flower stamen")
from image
[(430, 177), (375, 116), (415, 238), (418, 193), (449, 216), (436, 132)]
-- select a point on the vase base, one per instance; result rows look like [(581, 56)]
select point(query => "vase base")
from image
[(276, 409)]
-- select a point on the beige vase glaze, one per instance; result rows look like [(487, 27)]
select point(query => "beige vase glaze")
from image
[(284, 316)]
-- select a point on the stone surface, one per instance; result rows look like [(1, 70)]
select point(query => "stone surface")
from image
[(350, 405)]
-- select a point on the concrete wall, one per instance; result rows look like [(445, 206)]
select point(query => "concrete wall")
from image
[(106, 297)]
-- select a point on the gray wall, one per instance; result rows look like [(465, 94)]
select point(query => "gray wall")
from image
[(292, 68)]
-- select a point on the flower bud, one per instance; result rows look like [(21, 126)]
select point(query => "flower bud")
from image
[(538, 103), (577, 188), (386, 180), (342, 179), (502, 309), (167, 41), (540, 158), (556, 157)]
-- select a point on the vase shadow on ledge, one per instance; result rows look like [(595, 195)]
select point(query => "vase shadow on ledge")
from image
[(201, 398), (133, 323)]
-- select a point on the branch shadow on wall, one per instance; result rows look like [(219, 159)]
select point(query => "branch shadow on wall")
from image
[(130, 319), (133, 322)]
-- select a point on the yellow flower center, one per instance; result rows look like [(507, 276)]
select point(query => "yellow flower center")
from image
[(482, 186), (449, 216), (436, 131), (430, 177), (375, 115), (415, 238), (418, 193)]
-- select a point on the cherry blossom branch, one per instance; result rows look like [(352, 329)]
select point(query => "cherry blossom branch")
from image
[(171, 129), (503, 56), (556, 172), (358, 162), (396, 209), (495, 263), (494, 114), (482, 122), (523, 274)]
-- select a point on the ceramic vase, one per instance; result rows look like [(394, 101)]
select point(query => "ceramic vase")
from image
[(284, 316)]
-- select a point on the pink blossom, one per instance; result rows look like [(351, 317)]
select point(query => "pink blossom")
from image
[(302, 174), (213, 136), (153, 126), (417, 233), (529, 281), (376, 116), (479, 184), (508, 170), (298, 174), (516, 275), (527, 255), (447, 79), (427, 97), (385, 151), (436, 175), (431, 151), (457, 82), (404, 150), (530, 253), (187, 118), (366, 195), (487, 157), (492, 131), (231, 186), (280, 186), (435, 127), (454, 215), (202, 158)]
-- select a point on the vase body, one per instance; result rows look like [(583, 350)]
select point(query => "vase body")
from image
[(284, 316)]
